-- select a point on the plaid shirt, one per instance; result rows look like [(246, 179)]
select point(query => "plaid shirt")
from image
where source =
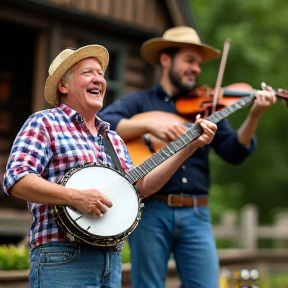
[(49, 144)]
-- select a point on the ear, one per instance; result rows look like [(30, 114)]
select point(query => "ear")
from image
[(165, 59), (63, 87)]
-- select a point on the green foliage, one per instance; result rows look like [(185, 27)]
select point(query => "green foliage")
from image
[(231, 192), (278, 281), (17, 258), (14, 258), (126, 253), (257, 54), (273, 279)]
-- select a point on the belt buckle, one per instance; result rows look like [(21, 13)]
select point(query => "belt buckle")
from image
[(169, 201)]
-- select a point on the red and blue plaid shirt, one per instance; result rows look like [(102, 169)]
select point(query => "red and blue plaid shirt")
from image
[(49, 144)]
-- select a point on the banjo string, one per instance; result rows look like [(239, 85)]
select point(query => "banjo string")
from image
[(114, 189)]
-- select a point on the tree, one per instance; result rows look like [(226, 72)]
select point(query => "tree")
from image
[(257, 30)]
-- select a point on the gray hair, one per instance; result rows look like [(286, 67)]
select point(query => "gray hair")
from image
[(66, 78)]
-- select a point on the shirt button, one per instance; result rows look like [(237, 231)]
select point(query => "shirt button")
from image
[(184, 180), (167, 99), (183, 167)]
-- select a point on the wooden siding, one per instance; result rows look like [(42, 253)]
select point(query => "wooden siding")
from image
[(138, 74), (144, 14)]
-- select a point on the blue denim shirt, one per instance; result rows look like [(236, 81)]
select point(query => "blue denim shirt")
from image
[(193, 176)]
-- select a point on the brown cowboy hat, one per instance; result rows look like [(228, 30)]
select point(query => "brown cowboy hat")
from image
[(64, 61), (176, 37)]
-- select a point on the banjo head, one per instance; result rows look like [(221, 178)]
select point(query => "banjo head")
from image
[(118, 222)]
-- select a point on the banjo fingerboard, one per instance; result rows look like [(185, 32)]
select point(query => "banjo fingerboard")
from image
[(136, 173)]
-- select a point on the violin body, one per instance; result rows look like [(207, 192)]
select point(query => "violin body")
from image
[(200, 101)]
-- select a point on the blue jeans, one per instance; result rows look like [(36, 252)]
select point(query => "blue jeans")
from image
[(62, 265), (187, 233)]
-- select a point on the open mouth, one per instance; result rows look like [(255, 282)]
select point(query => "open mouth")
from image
[(190, 77), (94, 92)]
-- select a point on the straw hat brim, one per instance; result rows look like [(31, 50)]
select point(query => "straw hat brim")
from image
[(95, 51), (151, 49)]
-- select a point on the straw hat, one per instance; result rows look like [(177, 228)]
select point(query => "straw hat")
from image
[(64, 61), (176, 37)]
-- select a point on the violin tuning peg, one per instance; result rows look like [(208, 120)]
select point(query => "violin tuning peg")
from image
[(263, 86)]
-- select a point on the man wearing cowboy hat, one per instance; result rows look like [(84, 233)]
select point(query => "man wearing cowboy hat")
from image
[(53, 141), (176, 219)]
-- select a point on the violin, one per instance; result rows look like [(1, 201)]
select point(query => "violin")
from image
[(230, 101), (200, 100)]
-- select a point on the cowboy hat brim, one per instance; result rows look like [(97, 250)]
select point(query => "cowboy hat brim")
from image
[(151, 49), (95, 51)]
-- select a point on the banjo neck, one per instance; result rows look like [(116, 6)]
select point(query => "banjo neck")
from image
[(191, 134)]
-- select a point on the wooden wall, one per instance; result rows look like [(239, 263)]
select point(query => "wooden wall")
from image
[(148, 14)]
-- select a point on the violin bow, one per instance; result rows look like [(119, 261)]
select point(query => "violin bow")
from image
[(220, 73)]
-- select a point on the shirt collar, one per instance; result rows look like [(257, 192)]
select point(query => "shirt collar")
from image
[(75, 116), (162, 94)]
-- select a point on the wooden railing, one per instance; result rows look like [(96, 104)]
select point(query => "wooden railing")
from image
[(244, 232), (14, 222)]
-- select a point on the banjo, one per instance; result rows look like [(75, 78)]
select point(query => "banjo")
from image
[(123, 217)]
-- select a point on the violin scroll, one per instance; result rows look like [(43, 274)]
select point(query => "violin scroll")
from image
[(279, 92), (283, 94)]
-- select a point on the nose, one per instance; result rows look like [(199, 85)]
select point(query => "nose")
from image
[(98, 79), (196, 68)]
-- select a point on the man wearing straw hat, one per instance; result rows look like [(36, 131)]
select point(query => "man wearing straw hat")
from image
[(176, 219), (54, 141)]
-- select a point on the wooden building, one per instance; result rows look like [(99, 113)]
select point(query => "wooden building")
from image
[(33, 32)]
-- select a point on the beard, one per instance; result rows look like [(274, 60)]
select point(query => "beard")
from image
[(177, 82)]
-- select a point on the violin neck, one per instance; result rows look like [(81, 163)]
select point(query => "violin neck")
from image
[(234, 93), (223, 113)]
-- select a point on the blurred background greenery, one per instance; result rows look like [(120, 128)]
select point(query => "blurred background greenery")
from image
[(14, 257), (258, 53)]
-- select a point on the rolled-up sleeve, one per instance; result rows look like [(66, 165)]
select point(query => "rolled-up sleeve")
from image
[(29, 154)]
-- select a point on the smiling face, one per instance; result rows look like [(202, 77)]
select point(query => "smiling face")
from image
[(182, 69), (83, 90)]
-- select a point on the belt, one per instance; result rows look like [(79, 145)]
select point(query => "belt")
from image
[(176, 200), (116, 248)]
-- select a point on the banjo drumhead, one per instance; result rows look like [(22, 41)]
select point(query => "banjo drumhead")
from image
[(120, 216)]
